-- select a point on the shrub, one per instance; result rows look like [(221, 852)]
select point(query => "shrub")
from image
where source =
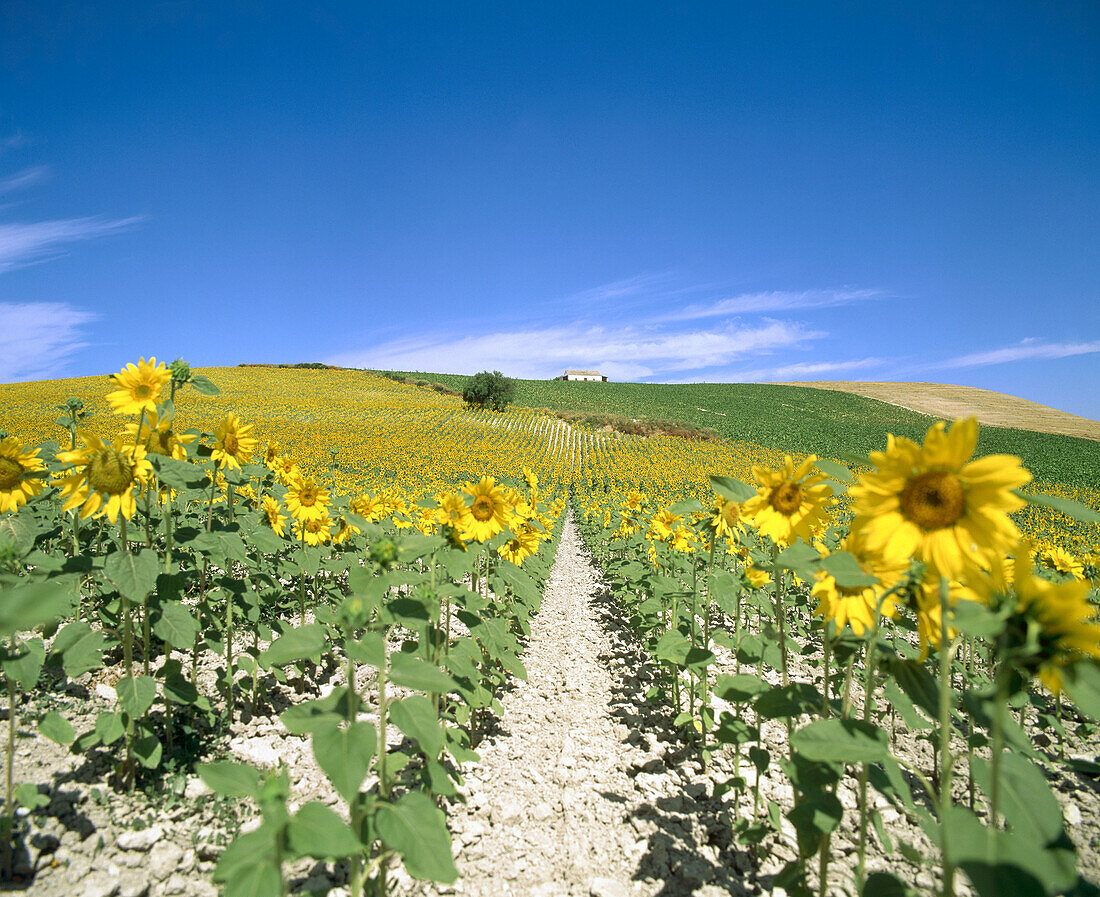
[(489, 390)]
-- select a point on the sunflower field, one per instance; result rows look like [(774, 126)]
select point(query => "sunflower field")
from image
[(204, 541)]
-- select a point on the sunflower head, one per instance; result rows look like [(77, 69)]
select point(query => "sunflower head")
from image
[(16, 467), (789, 502), (488, 509), (934, 503), (234, 442), (103, 477), (139, 387)]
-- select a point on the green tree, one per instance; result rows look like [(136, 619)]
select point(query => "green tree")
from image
[(489, 390)]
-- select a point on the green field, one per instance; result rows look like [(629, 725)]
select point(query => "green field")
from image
[(797, 419)]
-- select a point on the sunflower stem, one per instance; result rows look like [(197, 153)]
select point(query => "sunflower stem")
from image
[(947, 650)]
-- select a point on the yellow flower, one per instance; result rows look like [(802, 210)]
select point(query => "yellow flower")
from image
[(272, 453), (159, 438), (1068, 623), (452, 511), (105, 477), (235, 443), (314, 530), (138, 387), (488, 510), (15, 465), (789, 503), (1062, 562), (856, 605), (520, 547), (306, 499), (683, 539), (272, 513), (932, 502), (366, 506), (725, 517), (660, 526), (344, 532), (757, 578)]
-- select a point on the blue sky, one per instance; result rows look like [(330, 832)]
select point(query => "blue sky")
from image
[(673, 193)]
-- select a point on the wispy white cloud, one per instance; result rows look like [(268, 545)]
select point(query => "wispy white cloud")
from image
[(637, 285), (621, 352), (25, 178), (771, 301), (38, 338), (1021, 351), (24, 242), (797, 371)]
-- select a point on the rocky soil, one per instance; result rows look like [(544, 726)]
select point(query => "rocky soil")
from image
[(583, 787)]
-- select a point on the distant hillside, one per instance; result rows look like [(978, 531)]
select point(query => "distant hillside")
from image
[(798, 418), (944, 400)]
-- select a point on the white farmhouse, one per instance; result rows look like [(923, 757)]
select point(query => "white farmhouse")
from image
[(583, 375)]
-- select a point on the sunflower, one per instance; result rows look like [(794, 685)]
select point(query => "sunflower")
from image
[(16, 465), (724, 518), (488, 510), (634, 500), (856, 605), (314, 530), (272, 453), (1066, 623), (932, 502), (532, 483), (521, 546), (683, 539), (452, 511), (104, 477), (160, 439), (139, 387), (789, 503), (1060, 561), (306, 499), (756, 577), (273, 515), (235, 443), (367, 506), (660, 526), (344, 532)]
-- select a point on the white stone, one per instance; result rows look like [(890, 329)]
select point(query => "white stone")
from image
[(107, 693), (255, 750), (607, 887), (163, 860), (141, 840), (99, 884), (196, 788)]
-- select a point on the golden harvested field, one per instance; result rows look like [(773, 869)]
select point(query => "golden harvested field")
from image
[(949, 402)]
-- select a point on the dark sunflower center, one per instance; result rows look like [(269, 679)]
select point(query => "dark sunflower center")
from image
[(786, 499), (731, 513), (482, 509), (933, 500), (160, 442), (307, 497), (231, 443), (314, 526), (110, 473), (10, 472)]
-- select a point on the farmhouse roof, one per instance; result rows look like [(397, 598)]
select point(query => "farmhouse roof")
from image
[(590, 373)]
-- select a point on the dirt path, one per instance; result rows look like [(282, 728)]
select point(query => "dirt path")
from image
[(581, 791)]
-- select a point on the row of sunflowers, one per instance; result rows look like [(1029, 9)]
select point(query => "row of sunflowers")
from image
[(156, 553), (818, 611), (385, 520)]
